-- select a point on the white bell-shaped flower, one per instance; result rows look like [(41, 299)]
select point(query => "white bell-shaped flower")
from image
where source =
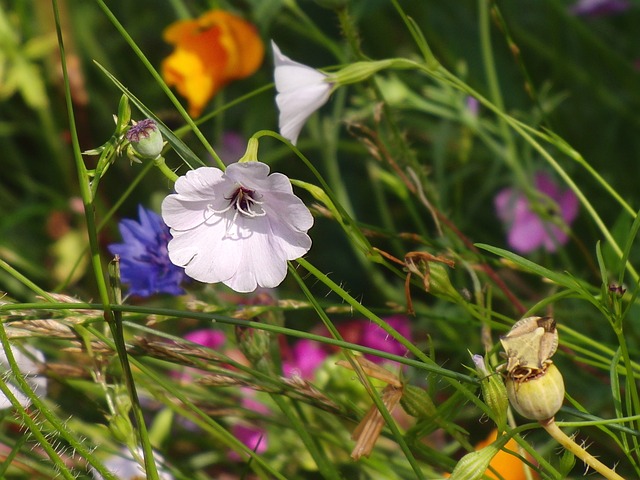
[(238, 227), (301, 91)]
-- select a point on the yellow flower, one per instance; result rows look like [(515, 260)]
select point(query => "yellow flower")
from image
[(210, 52)]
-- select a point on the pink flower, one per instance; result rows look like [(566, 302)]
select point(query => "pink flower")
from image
[(306, 356), (364, 332), (252, 436), (207, 337), (527, 230)]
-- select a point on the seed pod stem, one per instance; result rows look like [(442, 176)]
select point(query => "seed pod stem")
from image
[(567, 442)]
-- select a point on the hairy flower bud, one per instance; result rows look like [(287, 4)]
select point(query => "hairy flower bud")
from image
[(538, 396), (493, 392), (473, 464), (145, 140), (417, 402)]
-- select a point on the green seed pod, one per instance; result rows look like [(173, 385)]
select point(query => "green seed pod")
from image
[(538, 396)]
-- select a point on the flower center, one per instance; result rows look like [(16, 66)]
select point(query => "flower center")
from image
[(243, 201), (246, 202)]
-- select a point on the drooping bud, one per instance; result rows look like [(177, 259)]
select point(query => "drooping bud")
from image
[(493, 391), (538, 396), (145, 141)]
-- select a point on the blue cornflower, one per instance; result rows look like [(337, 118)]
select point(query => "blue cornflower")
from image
[(144, 261)]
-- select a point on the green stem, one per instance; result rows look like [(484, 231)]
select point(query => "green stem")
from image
[(511, 156), (101, 283), (568, 443), (166, 171), (40, 407)]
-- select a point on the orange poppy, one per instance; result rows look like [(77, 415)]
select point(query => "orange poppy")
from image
[(210, 51)]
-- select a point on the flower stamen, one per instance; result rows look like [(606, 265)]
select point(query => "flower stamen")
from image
[(244, 201)]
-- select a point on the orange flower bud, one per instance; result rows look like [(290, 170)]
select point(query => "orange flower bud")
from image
[(210, 52)]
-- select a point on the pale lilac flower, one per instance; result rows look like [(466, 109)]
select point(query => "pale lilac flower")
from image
[(238, 227), (301, 91), (473, 106), (595, 8), (29, 368), (527, 230), (124, 467), (305, 358)]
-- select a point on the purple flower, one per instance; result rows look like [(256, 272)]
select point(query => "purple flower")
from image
[(527, 230), (306, 356), (596, 8), (144, 261)]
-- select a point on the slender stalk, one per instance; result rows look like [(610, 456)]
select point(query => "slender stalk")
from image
[(567, 442), (101, 282)]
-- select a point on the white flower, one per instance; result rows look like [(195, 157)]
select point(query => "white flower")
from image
[(238, 227), (125, 467), (301, 91), (29, 369)]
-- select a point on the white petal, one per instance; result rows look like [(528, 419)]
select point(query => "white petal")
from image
[(301, 91), (30, 369)]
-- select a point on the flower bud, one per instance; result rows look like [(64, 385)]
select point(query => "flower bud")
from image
[(255, 345), (417, 402), (538, 396), (473, 464), (440, 284), (145, 140), (493, 392)]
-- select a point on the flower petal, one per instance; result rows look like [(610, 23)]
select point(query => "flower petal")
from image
[(211, 51), (301, 91), (243, 245)]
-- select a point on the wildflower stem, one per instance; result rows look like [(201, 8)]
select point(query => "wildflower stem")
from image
[(567, 442), (166, 171), (101, 283)]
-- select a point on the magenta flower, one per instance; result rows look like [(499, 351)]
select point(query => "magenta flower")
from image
[(596, 8), (375, 337), (207, 337), (252, 436), (364, 332), (527, 230), (305, 358)]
